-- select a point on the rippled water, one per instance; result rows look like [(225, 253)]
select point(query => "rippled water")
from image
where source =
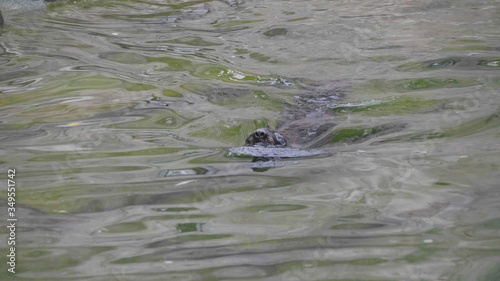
[(118, 117)]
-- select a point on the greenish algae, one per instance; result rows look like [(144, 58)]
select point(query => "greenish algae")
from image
[(226, 74), (468, 48), (259, 57), (139, 87), (426, 83), (242, 156), (467, 41), (189, 227), (428, 65), (393, 106), (235, 23), (298, 19), (494, 63), (101, 82), (347, 134), (441, 183), (182, 4), (191, 41), (239, 51), (274, 208), (177, 217), (126, 227), (276, 32), (76, 199), (139, 259), (413, 66), (196, 237), (351, 226), (64, 199), (84, 4), (175, 209), (92, 155), (357, 133), (172, 93), (174, 64), (388, 58), (15, 126)]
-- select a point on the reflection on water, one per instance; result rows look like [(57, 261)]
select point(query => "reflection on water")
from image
[(119, 117)]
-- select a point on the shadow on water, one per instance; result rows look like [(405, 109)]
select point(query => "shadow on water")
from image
[(126, 120)]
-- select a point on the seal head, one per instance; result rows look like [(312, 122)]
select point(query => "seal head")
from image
[(265, 137)]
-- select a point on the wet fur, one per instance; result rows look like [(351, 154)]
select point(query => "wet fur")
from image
[(265, 136)]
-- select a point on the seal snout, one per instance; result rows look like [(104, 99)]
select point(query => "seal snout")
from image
[(260, 134)]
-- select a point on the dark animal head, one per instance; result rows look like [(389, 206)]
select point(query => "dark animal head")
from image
[(265, 136)]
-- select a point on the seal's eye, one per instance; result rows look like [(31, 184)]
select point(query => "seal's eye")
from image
[(259, 134)]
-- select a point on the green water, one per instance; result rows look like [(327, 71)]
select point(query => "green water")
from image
[(118, 116)]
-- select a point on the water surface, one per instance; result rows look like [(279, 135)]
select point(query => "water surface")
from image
[(118, 117)]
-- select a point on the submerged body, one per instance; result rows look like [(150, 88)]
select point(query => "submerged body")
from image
[(263, 152)]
